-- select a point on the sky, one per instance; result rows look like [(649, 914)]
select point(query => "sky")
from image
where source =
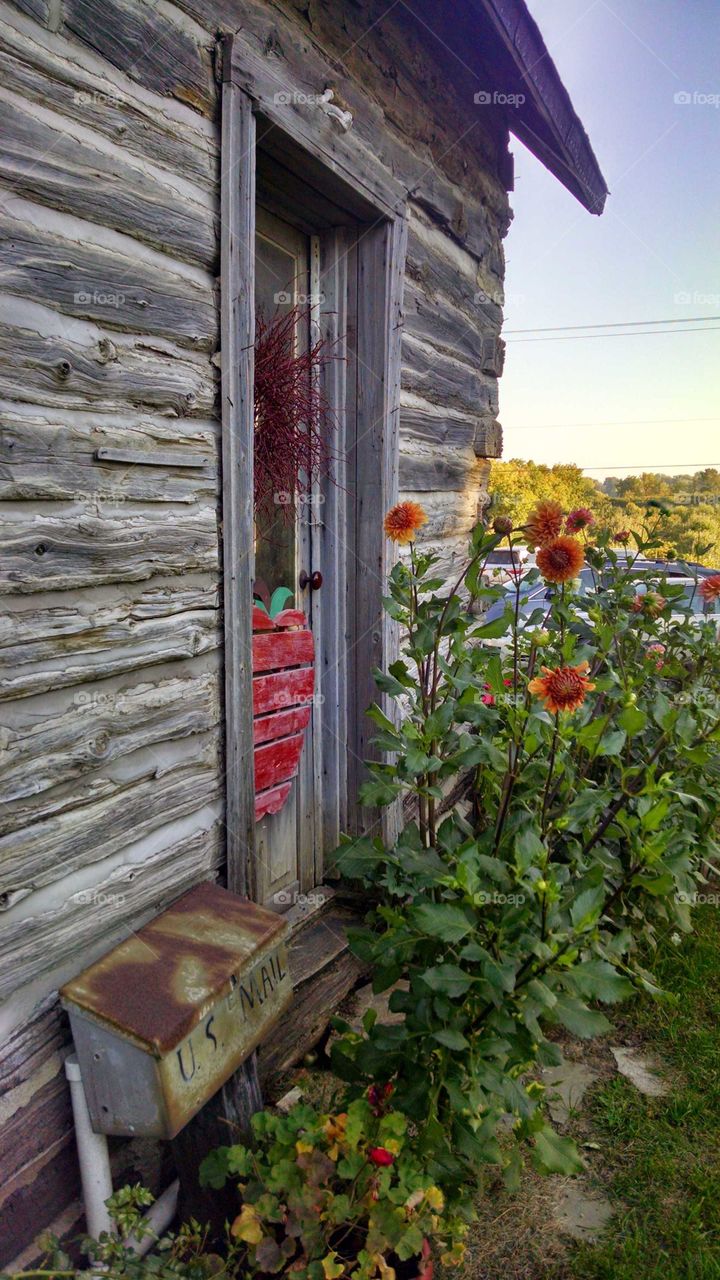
[(614, 405)]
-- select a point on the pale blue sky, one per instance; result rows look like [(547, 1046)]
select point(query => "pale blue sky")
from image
[(654, 253)]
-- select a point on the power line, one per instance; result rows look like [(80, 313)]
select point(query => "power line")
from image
[(639, 333), (628, 422), (647, 466), (615, 324)]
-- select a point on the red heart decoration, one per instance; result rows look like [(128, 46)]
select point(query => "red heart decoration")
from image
[(283, 686)]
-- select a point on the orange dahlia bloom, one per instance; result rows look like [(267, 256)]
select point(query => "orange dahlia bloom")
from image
[(710, 587), (562, 689), (561, 559), (403, 521), (545, 523)]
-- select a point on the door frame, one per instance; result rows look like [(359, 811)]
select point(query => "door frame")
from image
[(368, 266)]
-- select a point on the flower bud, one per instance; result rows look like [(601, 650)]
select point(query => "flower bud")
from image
[(503, 524)]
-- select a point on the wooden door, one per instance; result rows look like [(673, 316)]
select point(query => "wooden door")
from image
[(285, 841)]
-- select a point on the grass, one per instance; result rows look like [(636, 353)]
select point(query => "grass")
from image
[(662, 1155)]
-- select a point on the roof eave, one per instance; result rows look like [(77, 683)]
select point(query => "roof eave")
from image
[(546, 122)]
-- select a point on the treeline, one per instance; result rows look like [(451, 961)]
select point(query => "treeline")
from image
[(685, 508)]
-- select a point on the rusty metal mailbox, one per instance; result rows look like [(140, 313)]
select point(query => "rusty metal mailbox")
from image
[(164, 1019)]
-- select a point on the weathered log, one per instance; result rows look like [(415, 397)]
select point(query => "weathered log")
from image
[(488, 440), (43, 160), (51, 849), (441, 378), (57, 73), (97, 283), (42, 552), (79, 641), (435, 321), (119, 374), (435, 471), (86, 924), (52, 457), (46, 748), (323, 971), (149, 45)]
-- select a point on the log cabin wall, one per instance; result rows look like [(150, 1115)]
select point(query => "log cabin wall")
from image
[(111, 642)]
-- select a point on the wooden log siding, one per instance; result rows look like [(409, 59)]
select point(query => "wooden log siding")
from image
[(110, 679)]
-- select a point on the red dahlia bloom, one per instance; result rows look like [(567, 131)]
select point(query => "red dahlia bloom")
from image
[(579, 518), (710, 587)]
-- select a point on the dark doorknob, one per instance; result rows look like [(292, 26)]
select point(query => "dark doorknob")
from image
[(311, 580)]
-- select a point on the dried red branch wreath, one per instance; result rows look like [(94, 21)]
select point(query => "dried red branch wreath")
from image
[(293, 417)]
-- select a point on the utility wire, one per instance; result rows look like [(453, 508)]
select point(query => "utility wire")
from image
[(639, 333), (626, 422), (615, 324)]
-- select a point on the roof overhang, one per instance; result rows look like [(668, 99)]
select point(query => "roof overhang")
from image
[(546, 122), (500, 43)]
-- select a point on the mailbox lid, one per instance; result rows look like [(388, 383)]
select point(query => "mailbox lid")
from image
[(155, 987)]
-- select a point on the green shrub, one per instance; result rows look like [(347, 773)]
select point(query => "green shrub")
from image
[(581, 744)]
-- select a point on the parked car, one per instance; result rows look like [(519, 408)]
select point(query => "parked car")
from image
[(536, 594), (505, 565)]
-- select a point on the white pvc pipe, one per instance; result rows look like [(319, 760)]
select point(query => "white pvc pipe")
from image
[(93, 1156), (158, 1217), (96, 1175)]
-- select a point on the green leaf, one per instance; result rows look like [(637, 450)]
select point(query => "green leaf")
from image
[(632, 720), (358, 858), (493, 630), (574, 1015), (529, 848), (586, 907), (599, 980), (555, 1154), (450, 1038), (447, 979), (612, 742), (441, 920), (279, 599)]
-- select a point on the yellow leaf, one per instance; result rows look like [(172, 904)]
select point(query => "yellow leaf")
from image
[(333, 1267), (384, 1271), (435, 1198), (247, 1226), (303, 1148)]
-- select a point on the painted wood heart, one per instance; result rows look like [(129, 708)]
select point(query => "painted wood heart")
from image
[(283, 686)]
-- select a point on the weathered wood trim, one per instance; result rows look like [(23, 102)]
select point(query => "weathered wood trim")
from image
[(380, 275), (311, 130), (237, 327)]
